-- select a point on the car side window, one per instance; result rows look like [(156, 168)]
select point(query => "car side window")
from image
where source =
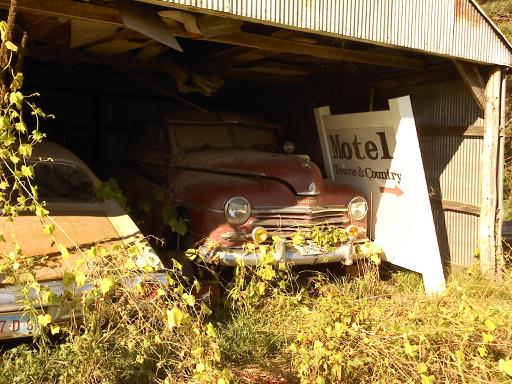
[(154, 137), (60, 182), (153, 153)]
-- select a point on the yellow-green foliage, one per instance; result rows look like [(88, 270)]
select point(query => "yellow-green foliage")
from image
[(370, 331)]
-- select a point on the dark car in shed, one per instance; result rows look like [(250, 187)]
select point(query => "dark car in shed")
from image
[(233, 184)]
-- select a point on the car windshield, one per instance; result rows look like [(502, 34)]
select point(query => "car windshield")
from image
[(200, 137), (60, 182), (253, 137), (218, 136)]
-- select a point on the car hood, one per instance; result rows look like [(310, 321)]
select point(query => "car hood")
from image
[(87, 228), (297, 171)]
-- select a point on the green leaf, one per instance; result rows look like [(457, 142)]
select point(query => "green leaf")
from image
[(63, 251), (44, 320), (80, 278), (21, 127), (11, 46), (189, 299), (487, 338), (409, 349), (505, 366), (16, 98), (422, 368), (48, 229), (267, 273), (41, 212), (460, 356), (106, 285), (25, 150), (173, 317), (178, 226), (17, 82), (204, 308), (428, 379), (191, 253), (39, 112), (5, 123), (68, 279), (54, 329), (14, 159), (298, 239), (3, 29), (37, 135), (27, 171), (490, 325)]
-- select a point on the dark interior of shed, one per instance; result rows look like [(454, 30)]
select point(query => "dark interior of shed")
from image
[(100, 81)]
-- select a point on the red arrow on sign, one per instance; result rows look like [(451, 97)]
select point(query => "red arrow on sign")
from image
[(395, 191)]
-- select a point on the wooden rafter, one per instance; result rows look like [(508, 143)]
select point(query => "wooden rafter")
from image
[(472, 77), (83, 11), (69, 9)]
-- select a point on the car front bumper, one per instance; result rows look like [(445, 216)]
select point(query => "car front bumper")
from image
[(11, 304), (346, 254)]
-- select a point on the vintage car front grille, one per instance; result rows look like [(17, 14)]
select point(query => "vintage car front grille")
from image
[(287, 220)]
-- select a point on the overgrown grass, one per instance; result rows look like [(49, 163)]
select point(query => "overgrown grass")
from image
[(323, 330), (369, 331)]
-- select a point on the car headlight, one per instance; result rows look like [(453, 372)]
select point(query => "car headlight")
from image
[(357, 208), (237, 210)]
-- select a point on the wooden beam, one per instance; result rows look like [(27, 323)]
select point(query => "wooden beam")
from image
[(69, 9), (329, 53), (449, 205), (473, 79), (489, 165), (472, 130), (277, 69)]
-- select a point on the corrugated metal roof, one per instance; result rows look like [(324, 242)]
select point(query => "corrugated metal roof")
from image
[(453, 28)]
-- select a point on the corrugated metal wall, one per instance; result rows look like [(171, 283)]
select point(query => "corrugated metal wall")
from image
[(452, 163), (444, 27)]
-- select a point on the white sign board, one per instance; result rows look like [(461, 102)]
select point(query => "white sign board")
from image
[(378, 152)]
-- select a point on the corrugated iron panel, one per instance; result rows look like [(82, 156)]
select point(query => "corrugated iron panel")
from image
[(452, 167), (447, 104), (457, 235), (451, 27)]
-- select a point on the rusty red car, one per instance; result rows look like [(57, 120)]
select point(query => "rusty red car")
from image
[(234, 184)]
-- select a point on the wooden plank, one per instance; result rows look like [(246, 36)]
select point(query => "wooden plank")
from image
[(330, 53), (456, 206), (489, 165), (472, 130), (501, 171), (69, 9), (471, 76)]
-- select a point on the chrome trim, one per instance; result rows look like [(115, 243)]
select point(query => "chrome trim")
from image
[(227, 171), (297, 209), (234, 236), (233, 257), (308, 193)]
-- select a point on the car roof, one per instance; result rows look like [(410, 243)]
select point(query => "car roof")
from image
[(189, 116)]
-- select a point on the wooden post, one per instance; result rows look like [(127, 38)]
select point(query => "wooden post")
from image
[(488, 212), (501, 172)]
